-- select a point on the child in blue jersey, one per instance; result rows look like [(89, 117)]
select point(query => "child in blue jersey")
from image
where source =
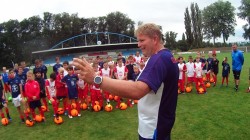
[(5, 78), (16, 92), (3, 102), (71, 81), (225, 71), (57, 65)]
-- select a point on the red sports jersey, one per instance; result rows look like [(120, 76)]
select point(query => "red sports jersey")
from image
[(32, 89)]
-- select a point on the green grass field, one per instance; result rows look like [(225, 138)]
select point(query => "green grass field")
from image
[(220, 114)]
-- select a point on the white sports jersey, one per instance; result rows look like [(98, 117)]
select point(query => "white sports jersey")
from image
[(51, 88), (105, 72), (190, 69), (120, 72), (181, 66), (137, 59), (198, 69), (80, 83)]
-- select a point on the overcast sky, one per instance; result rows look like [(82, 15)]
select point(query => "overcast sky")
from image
[(167, 13)]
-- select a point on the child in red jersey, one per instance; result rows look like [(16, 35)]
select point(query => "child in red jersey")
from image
[(83, 90), (182, 71), (120, 72), (61, 90), (50, 86), (32, 91), (198, 75), (105, 71), (95, 90)]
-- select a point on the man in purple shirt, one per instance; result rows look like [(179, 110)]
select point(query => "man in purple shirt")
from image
[(156, 86)]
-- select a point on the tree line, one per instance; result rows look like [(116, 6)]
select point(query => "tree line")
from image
[(19, 39)]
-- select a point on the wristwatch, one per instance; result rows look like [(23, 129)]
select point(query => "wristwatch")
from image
[(98, 80)]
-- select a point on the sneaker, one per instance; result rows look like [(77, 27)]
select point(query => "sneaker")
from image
[(23, 121), (9, 118), (236, 89), (205, 92), (70, 116), (79, 115), (133, 102), (43, 119)]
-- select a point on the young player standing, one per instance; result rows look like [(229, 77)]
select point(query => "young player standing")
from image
[(41, 81), (50, 86), (71, 82), (215, 68), (3, 102), (190, 71), (182, 71), (198, 75), (105, 71), (16, 92), (225, 71), (32, 89)]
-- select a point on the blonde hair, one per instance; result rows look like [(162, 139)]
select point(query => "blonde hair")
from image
[(61, 69), (151, 30), (31, 73)]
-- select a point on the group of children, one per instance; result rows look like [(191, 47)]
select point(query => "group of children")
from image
[(31, 89), (201, 71)]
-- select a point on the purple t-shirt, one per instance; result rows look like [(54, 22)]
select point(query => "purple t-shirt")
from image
[(156, 110)]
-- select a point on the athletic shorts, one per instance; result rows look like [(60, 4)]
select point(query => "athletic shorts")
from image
[(42, 95), (35, 104), (236, 74), (190, 79), (73, 96), (17, 101), (60, 97)]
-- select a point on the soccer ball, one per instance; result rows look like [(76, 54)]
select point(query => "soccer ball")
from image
[(74, 112), (188, 89), (97, 108), (201, 91), (116, 98), (123, 106), (58, 120), (111, 97), (73, 105), (108, 108), (60, 111), (84, 106), (26, 111), (5, 121), (38, 118), (136, 101), (29, 123), (208, 85)]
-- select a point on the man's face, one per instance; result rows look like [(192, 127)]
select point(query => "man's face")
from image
[(146, 45), (234, 47)]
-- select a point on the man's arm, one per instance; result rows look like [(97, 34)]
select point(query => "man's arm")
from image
[(127, 89)]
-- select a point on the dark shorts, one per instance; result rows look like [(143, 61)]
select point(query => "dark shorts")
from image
[(236, 74), (42, 95), (73, 96), (35, 104), (60, 97), (1, 105)]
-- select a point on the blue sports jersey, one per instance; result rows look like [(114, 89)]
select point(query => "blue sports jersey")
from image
[(56, 67), (237, 60), (203, 60), (5, 77), (25, 70), (14, 85), (1, 91), (156, 110), (71, 82), (209, 63), (45, 70), (23, 79), (38, 69)]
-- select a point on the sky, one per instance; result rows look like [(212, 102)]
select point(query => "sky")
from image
[(167, 13)]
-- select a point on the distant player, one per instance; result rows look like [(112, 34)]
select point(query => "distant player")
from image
[(225, 71), (57, 65), (182, 71), (3, 103)]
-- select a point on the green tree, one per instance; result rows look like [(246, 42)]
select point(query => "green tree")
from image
[(244, 13), (219, 20), (170, 38), (188, 27), (196, 25)]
